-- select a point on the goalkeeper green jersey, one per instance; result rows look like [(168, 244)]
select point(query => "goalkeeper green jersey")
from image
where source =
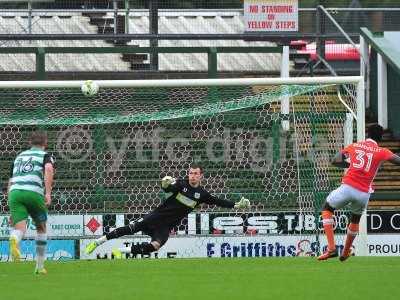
[(27, 171)]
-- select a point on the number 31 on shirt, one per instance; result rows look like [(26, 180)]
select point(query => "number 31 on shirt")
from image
[(363, 160)]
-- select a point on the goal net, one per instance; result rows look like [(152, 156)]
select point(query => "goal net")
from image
[(269, 140)]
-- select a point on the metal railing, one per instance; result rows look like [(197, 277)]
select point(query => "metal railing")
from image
[(212, 53)]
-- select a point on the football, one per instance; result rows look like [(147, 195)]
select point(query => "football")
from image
[(89, 88)]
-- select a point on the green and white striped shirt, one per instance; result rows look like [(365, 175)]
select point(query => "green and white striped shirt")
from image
[(28, 170)]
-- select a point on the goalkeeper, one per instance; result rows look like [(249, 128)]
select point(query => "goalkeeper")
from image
[(184, 196)]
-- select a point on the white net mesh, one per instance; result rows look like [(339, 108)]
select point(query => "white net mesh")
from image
[(112, 150)]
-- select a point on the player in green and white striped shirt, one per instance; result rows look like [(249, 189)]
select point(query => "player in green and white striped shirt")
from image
[(29, 193)]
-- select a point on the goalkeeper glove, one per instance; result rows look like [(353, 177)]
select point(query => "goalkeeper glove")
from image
[(242, 203), (167, 181)]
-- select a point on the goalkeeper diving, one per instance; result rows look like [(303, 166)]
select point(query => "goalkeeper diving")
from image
[(184, 196)]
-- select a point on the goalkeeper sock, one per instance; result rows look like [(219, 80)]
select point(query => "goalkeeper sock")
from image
[(101, 240), (327, 221), (41, 243), (126, 230), (352, 231), (120, 231)]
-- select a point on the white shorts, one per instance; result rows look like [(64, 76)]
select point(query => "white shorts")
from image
[(344, 195)]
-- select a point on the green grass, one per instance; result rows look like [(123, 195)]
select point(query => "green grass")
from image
[(191, 279)]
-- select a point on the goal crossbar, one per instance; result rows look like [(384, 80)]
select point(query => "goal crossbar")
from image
[(184, 82)]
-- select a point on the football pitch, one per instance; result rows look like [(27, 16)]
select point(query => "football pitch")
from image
[(225, 279)]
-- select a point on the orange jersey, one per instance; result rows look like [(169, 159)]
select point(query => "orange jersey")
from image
[(365, 160)]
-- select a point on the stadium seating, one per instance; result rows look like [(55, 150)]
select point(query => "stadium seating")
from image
[(57, 24), (169, 22), (195, 22)]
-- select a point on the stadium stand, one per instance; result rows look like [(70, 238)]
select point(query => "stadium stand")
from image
[(60, 23), (170, 22), (208, 21)]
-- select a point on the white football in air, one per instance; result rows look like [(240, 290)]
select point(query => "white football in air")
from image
[(89, 88)]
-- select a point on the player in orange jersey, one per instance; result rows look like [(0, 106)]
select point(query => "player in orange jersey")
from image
[(363, 160)]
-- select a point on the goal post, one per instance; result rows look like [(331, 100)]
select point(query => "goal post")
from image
[(113, 148)]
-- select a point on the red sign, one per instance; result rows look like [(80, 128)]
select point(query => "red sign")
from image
[(93, 225)]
